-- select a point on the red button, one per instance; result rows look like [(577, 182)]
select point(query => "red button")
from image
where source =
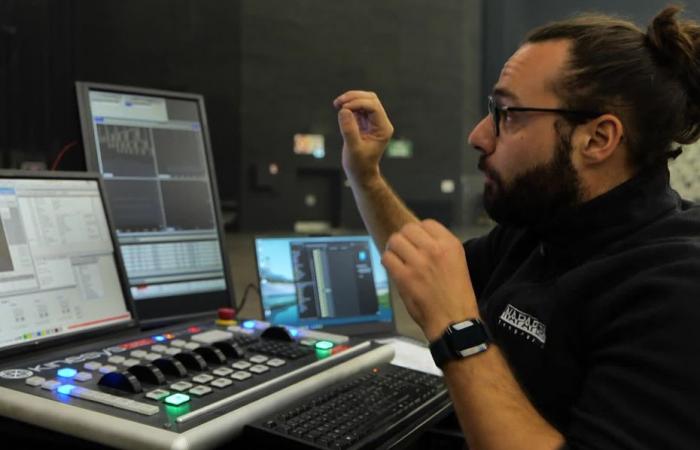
[(226, 313)]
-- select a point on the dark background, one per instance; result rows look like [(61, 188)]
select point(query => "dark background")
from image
[(269, 69)]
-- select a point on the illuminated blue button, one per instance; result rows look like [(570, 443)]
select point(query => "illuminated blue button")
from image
[(293, 331), (159, 338), (65, 389), (250, 324), (67, 372)]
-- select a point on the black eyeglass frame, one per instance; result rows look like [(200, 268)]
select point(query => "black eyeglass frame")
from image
[(495, 111)]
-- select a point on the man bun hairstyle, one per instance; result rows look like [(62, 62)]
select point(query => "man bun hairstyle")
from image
[(651, 80), (676, 45)]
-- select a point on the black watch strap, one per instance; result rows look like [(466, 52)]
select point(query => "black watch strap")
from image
[(460, 340)]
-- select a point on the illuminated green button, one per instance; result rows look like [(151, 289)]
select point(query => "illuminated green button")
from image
[(177, 399), (324, 345), (323, 349)]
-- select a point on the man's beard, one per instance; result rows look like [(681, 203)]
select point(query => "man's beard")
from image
[(538, 194)]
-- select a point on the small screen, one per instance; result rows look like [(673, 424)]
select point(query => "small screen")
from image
[(152, 151), (319, 282), (58, 273)]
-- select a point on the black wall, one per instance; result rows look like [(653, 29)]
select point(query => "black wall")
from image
[(420, 56), (46, 45), (506, 23), (268, 69), (36, 75)]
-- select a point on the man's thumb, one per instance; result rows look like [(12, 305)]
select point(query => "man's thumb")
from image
[(348, 126)]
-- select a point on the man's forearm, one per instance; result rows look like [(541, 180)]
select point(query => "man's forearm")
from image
[(381, 209), (492, 409)]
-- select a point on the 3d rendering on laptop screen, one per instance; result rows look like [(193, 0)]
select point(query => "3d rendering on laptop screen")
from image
[(329, 282)]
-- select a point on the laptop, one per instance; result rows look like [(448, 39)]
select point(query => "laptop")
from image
[(332, 283), (60, 276)]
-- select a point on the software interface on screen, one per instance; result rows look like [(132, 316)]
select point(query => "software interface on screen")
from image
[(58, 273), (317, 282), (151, 153)]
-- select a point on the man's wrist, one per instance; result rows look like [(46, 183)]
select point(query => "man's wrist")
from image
[(460, 340), (367, 177), (437, 326)]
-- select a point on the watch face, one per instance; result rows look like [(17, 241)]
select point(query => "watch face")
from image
[(467, 338)]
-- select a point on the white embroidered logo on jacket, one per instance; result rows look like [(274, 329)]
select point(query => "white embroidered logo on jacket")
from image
[(524, 322)]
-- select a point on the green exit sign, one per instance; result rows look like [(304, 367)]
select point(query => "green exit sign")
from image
[(400, 148)]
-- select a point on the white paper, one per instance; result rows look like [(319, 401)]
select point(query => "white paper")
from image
[(411, 354)]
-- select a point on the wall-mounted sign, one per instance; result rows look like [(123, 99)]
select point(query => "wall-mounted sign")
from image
[(310, 144), (399, 148)]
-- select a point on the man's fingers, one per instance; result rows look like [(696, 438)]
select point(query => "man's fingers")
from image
[(348, 126), (435, 229), (402, 247), (420, 238), (393, 264), (351, 95)]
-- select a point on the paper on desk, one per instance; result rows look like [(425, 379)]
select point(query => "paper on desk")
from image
[(412, 355)]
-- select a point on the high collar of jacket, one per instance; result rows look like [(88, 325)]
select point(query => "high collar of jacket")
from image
[(611, 216)]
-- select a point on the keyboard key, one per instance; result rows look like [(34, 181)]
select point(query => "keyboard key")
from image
[(200, 391), (276, 362), (157, 394), (107, 369), (179, 343), (257, 359), (181, 386), (92, 365), (241, 375), (83, 376), (138, 353), (202, 378), (221, 383), (222, 371), (241, 365), (212, 336), (258, 369), (35, 381)]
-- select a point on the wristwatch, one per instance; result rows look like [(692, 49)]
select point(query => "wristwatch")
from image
[(460, 340)]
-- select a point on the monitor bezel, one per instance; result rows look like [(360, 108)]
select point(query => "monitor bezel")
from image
[(51, 342), (354, 329), (150, 311)]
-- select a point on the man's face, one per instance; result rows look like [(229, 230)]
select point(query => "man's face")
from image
[(528, 166)]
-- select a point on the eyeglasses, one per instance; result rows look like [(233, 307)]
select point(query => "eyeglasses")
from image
[(497, 112)]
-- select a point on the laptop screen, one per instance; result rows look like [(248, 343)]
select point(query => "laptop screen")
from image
[(58, 272), (330, 282)]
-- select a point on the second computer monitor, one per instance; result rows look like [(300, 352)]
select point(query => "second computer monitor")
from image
[(152, 149)]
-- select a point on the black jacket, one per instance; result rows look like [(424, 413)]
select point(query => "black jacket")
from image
[(598, 314)]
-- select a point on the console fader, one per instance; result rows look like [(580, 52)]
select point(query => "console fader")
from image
[(186, 388)]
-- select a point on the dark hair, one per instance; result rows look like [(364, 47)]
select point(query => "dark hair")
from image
[(651, 80)]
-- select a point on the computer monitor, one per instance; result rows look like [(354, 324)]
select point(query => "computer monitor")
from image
[(59, 271), (152, 149), (332, 282)]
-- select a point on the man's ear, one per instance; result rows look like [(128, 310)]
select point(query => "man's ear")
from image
[(600, 139)]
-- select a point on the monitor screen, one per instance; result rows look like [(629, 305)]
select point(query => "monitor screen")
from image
[(152, 150), (58, 272), (322, 282)]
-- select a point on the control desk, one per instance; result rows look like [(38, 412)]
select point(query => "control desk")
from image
[(197, 386)]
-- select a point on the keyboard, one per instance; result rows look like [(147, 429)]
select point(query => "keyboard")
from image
[(365, 411)]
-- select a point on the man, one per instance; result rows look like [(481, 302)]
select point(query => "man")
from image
[(590, 283)]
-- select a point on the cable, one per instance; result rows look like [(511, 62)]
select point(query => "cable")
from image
[(63, 151), (245, 296)]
